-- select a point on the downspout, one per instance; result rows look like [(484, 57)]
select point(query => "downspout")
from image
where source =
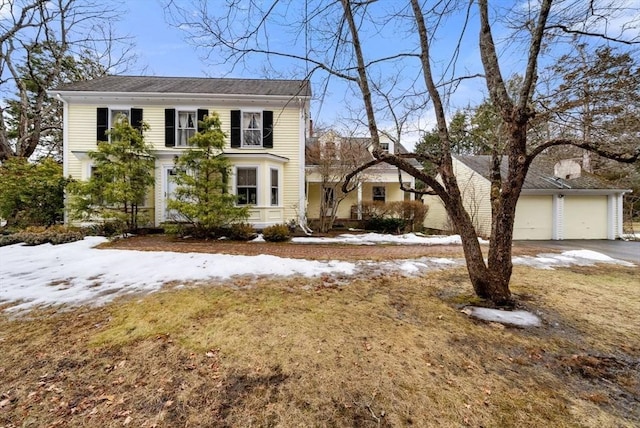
[(65, 149), (302, 183)]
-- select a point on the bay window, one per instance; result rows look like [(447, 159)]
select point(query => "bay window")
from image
[(247, 186)]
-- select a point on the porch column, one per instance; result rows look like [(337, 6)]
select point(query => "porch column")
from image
[(614, 216), (557, 228), (359, 201)]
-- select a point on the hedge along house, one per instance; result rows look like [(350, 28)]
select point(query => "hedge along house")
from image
[(558, 201), (329, 157), (265, 122)]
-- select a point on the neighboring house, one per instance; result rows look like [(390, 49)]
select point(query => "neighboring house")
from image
[(327, 167), (265, 122), (558, 201)]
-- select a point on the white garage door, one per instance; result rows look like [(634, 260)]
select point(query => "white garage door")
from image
[(585, 217), (534, 218)]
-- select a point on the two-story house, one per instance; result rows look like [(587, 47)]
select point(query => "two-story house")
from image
[(265, 122)]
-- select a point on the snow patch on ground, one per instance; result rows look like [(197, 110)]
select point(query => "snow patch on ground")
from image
[(517, 318), (378, 238), (568, 258), (76, 273)]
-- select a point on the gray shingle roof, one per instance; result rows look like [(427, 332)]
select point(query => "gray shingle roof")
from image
[(540, 175), (190, 85), (362, 143)]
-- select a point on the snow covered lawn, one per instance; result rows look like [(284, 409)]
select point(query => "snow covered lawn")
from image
[(77, 273)]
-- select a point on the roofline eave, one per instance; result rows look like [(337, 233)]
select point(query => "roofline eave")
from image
[(100, 95), (574, 191)]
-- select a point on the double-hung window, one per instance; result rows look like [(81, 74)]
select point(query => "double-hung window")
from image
[(106, 119), (379, 193), (187, 124), (247, 186), (119, 115), (182, 124), (274, 187), (251, 129)]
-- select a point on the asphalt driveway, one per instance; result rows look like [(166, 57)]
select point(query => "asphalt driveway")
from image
[(622, 250)]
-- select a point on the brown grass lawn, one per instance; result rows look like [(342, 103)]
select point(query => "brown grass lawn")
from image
[(388, 351)]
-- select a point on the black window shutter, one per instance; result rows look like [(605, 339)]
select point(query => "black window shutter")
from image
[(235, 128), (136, 119), (170, 127), (103, 124), (267, 129), (201, 114)]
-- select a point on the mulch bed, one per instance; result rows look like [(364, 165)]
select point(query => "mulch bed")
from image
[(292, 250)]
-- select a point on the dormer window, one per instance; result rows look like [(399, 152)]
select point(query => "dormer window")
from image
[(384, 147)]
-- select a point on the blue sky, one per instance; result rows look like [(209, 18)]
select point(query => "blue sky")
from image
[(161, 47), (164, 51)]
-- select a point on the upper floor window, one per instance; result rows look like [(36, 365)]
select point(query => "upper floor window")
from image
[(107, 117), (251, 129), (384, 147), (187, 124), (181, 125), (118, 115)]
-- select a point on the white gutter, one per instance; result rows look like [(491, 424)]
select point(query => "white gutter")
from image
[(574, 191), (93, 95), (302, 178)]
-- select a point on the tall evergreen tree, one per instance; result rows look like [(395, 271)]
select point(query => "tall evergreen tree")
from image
[(202, 198), (121, 177)]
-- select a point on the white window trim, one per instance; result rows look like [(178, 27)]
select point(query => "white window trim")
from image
[(118, 108), (177, 123), (242, 129), (279, 187), (235, 183)]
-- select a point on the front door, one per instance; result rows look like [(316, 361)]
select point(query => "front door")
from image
[(169, 193)]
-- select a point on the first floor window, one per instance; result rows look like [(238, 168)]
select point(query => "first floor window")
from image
[(329, 196), (187, 121), (379, 193), (274, 187), (247, 186)]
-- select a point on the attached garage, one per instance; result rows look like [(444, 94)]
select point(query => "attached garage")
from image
[(558, 201), (585, 217), (534, 217)]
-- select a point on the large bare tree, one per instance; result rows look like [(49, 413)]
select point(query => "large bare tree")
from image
[(44, 43), (332, 158), (361, 46)]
